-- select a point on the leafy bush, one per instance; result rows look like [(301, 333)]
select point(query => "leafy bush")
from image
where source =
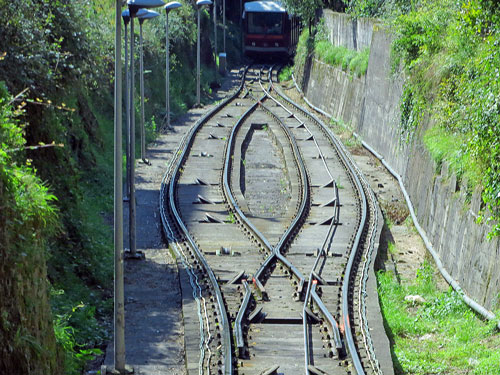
[(76, 354), (285, 74), (364, 8), (28, 219)]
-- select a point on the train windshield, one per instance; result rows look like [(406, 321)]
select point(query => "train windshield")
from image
[(265, 23)]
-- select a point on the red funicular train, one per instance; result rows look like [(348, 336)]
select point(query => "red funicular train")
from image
[(269, 29)]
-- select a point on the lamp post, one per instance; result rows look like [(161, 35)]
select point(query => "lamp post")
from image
[(134, 6), (119, 308), (149, 14), (126, 20), (224, 22), (215, 36), (199, 4), (241, 24), (170, 6), (119, 304)]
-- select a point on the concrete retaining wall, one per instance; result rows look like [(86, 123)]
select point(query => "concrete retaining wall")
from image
[(371, 106), (348, 32)]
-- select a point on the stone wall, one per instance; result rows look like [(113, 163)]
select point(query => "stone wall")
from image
[(371, 106)]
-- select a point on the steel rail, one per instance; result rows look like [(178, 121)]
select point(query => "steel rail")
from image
[(274, 251), (183, 147), (303, 205), (362, 292), (312, 280), (346, 283), (238, 329), (301, 123)]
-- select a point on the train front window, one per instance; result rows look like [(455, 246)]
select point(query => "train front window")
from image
[(265, 23)]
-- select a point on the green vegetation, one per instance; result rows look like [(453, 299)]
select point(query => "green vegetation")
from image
[(305, 47), (28, 219), (304, 9), (317, 43), (449, 50), (285, 74), (378, 8), (437, 333), (349, 60)]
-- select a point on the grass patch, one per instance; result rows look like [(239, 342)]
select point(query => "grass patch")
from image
[(444, 145), (438, 336), (285, 74), (349, 60)]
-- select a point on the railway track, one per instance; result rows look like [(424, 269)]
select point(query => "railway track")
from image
[(275, 228)]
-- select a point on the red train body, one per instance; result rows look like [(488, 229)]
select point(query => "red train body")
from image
[(269, 29)]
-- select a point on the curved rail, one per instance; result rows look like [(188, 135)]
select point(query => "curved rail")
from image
[(228, 356), (314, 277), (274, 251), (347, 281)]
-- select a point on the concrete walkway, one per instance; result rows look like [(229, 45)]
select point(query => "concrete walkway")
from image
[(154, 333)]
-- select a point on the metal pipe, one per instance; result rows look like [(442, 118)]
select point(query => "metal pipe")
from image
[(224, 22), (143, 135), (449, 279), (198, 63), (119, 305), (215, 35), (132, 214), (469, 301), (141, 78), (127, 112), (167, 68)]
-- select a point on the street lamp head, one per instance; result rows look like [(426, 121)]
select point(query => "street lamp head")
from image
[(200, 3), (148, 15), (126, 14), (172, 5), (135, 5), (145, 3)]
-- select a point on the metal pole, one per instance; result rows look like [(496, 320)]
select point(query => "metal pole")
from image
[(224, 22), (198, 63), (119, 306), (215, 35), (132, 242), (127, 114), (241, 24), (167, 65), (143, 135)]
